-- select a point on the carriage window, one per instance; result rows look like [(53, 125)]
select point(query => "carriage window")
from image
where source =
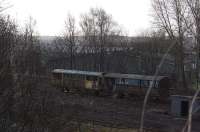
[(133, 82), (121, 81), (91, 78), (57, 75), (125, 81), (76, 76), (153, 83), (144, 83), (79, 76), (117, 81), (68, 75), (156, 84), (88, 78)]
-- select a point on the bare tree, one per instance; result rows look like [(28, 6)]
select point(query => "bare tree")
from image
[(194, 29), (90, 36), (4, 5), (97, 26), (28, 68), (170, 16), (8, 33), (193, 25), (148, 52), (70, 37)]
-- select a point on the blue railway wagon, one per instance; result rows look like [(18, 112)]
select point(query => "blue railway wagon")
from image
[(133, 84)]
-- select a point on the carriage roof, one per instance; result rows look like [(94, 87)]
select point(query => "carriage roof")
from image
[(134, 76), (87, 73), (110, 75)]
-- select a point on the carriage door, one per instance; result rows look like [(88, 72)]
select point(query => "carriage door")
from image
[(184, 107)]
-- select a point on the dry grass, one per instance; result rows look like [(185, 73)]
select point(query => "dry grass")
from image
[(96, 128)]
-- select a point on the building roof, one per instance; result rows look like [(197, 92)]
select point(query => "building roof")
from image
[(89, 73), (183, 97)]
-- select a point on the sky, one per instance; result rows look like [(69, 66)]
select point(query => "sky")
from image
[(133, 15)]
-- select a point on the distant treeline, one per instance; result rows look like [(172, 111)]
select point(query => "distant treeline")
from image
[(123, 54)]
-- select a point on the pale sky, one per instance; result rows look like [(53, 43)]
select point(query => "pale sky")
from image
[(133, 15)]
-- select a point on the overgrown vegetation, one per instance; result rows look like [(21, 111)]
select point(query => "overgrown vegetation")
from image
[(27, 104)]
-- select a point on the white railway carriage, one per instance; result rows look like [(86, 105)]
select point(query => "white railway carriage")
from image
[(76, 80)]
